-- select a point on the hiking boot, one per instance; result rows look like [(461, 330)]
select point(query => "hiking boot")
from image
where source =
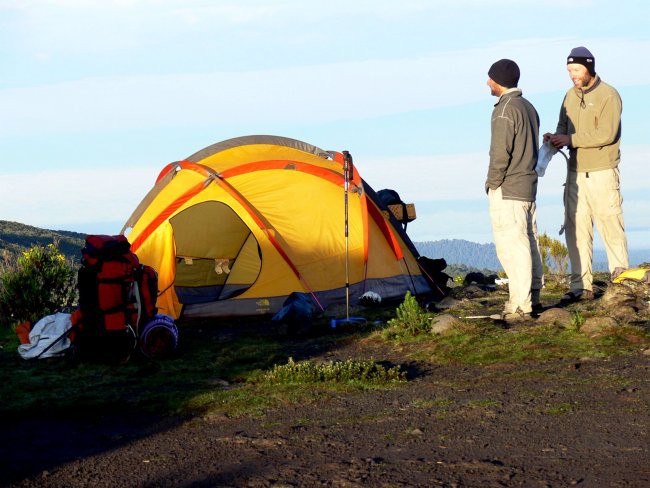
[(538, 308), (577, 296), (512, 316)]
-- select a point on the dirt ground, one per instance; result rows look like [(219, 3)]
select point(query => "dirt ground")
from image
[(565, 423)]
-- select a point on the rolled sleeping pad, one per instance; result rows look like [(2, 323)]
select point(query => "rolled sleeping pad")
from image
[(159, 337)]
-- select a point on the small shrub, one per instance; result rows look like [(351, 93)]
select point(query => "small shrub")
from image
[(577, 320), (555, 255), (559, 256), (39, 283), (345, 372), (410, 319)]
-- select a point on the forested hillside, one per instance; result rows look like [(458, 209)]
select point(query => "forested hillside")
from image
[(16, 238), (458, 251)]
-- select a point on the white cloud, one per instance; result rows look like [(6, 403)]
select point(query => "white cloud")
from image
[(307, 94), (66, 198), (431, 178)]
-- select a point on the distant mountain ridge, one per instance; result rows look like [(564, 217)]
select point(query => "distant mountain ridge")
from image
[(17, 238), (459, 251), (484, 256)]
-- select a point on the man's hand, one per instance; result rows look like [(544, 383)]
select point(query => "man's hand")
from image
[(559, 140), (546, 137)]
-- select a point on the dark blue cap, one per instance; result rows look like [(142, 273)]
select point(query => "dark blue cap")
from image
[(582, 55)]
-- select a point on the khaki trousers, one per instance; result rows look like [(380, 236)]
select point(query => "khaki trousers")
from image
[(589, 197), (514, 225)]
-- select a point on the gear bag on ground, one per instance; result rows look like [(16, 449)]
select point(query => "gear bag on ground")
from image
[(117, 294)]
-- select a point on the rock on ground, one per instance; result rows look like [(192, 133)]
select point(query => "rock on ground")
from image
[(445, 303), (628, 294), (558, 316), (595, 325), (443, 324)]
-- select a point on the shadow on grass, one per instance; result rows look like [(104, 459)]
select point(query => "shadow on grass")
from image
[(53, 412)]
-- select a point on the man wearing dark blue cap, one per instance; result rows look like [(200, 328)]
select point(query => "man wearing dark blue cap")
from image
[(511, 186), (590, 126)]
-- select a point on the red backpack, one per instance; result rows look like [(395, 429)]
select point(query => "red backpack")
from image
[(117, 295)]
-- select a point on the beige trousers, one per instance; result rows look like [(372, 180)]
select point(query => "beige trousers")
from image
[(514, 226), (589, 197)]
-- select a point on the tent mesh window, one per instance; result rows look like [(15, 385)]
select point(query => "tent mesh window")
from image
[(213, 262)]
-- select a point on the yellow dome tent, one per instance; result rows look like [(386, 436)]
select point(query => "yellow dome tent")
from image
[(238, 226)]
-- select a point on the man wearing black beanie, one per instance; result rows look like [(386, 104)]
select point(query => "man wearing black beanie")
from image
[(590, 126), (512, 187)]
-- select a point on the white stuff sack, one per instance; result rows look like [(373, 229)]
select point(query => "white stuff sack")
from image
[(46, 331), (546, 153)]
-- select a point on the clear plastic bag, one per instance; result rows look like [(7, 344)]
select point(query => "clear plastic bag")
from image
[(546, 153)]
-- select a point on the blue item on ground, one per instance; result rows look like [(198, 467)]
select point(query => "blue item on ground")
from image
[(159, 337)]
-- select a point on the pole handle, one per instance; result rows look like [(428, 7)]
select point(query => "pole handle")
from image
[(348, 166)]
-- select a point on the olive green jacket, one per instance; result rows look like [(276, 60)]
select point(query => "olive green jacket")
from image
[(592, 120)]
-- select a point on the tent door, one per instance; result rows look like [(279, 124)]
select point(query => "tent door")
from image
[(217, 256)]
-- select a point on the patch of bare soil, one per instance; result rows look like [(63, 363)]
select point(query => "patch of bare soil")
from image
[(555, 424)]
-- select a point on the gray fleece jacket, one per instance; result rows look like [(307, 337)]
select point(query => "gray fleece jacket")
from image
[(514, 147)]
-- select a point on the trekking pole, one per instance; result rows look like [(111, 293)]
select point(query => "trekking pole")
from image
[(348, 176), (348, 170)]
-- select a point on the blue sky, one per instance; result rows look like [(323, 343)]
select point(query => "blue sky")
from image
[(97, 96)]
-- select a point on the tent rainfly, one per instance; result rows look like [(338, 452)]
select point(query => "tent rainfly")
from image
[(238, 226)]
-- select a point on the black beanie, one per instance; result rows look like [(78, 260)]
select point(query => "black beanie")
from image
[(582, 55), (505, 72)]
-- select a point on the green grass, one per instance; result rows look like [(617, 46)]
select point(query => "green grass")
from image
[(237, 374), (293, 383), (166, 387), (353, 372), (483, 403), (560, 409), (493, 344), (486, 343), (245, 370), (234, 402)]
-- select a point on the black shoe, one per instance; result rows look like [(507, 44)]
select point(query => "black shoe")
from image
[(577, 296), (538, 308)]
